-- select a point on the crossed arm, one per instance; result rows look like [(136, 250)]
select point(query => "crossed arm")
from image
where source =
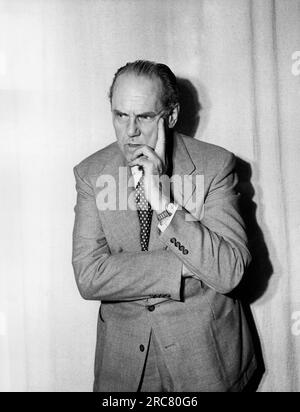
[(216, 245)]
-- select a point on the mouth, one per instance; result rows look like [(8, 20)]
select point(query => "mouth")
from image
[(132, 146)]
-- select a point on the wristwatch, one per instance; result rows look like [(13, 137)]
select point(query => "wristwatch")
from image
[(167, 212)]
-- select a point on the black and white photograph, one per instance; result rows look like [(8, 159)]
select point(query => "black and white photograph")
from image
[(150, 198)]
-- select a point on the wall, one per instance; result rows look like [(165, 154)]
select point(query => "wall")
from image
[(57, 59)]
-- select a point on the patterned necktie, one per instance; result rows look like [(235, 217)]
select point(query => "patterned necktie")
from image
[(144, 212)]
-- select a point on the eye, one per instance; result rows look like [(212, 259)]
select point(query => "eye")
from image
[(146, 117), (121, 116)]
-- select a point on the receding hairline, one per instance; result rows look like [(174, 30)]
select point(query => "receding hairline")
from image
[(151, 70), (151, 77)]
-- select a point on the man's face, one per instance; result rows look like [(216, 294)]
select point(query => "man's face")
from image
[(136, 109)]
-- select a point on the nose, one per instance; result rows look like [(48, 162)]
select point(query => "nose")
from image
[(132, 129)]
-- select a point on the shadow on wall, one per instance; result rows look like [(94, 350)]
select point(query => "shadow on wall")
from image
[(255, 281), (193, 119), (190, 108), (194, 109)]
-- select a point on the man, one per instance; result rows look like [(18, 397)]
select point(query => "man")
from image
[(162, 270)]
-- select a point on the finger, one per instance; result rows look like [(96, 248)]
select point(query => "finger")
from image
[(144, 150), (152, 157), (145, 164), (139, 161), (160, 147)]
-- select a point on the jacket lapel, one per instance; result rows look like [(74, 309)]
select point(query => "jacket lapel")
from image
[(183, 167), (122, 220)]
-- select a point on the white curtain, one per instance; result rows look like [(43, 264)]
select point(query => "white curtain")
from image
[(240, 59)]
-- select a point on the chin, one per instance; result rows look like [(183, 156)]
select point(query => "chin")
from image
[(126, 155)]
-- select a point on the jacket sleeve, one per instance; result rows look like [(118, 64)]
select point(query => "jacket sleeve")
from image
[(101, 275), (213, 249)]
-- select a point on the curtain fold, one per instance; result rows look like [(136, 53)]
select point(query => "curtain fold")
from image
[(239, 73)]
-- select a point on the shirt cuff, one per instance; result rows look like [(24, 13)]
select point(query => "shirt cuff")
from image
[(185, 272), (162, 226)]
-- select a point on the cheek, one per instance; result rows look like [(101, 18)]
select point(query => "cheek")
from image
[(119, 131), (151, 136)]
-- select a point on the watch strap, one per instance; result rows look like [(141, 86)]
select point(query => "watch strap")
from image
[(163, 215)]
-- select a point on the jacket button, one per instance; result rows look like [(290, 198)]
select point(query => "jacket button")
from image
[(185, 252), (173, 240), (142, 348), (151, 308)]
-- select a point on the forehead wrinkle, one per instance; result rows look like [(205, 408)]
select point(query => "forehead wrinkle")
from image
[(136, 93)]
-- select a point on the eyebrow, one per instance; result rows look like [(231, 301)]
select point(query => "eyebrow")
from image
[(144, 114), (115, 111)]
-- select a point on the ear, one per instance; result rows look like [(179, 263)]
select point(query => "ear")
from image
[(173, 116)]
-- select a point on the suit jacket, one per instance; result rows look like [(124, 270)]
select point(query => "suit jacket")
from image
[(202, 332)]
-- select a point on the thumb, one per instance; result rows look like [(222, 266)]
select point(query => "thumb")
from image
[(160, 147)]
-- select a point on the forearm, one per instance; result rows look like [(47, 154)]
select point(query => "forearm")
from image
[(216, 258), (126, 275)]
